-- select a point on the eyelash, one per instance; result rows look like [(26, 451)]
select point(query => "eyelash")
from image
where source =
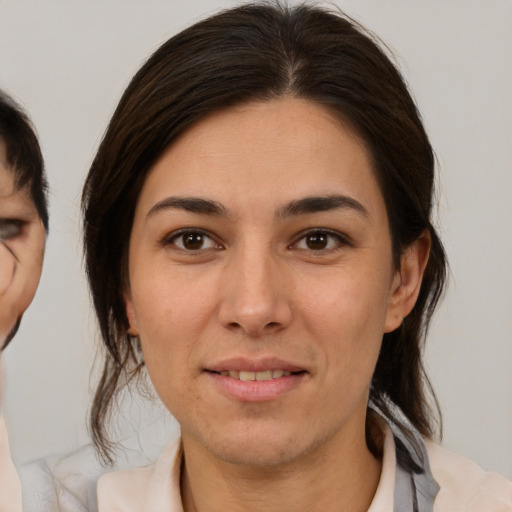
[(10, 228), (180, 234), (340, 240)]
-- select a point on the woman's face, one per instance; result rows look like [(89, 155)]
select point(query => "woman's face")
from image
[(22, 240), (261, 281)]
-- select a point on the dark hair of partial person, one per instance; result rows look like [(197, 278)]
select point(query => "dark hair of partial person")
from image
[(23, 154), (259, 52)]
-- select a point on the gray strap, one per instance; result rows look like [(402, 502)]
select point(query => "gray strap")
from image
[(412, 462), (415, 486), (405, 492)]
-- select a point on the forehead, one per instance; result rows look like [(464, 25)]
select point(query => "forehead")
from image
[(7, 185), (14, 202), (286, 123), (269, 151)]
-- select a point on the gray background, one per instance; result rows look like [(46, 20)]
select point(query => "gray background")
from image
[(69, 61)]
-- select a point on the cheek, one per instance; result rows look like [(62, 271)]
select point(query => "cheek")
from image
[(29, 288), (26, 272), (171, 320), (346, 302), (166, 352), (346, 315), (7, 266), (18, 285), (172, 305)]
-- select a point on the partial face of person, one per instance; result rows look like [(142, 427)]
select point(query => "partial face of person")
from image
[(261, 281), (22, 241)]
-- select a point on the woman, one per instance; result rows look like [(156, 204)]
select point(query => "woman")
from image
[(23, 228), (258, 236)]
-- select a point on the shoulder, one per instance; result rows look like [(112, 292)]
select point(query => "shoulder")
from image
[(121, 491), (465, 486), (153, 487), (61, 482)]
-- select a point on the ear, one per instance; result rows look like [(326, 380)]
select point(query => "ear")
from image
[(130, 314), (407, 281)]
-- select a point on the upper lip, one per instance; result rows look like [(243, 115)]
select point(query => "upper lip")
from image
[(246, 364)]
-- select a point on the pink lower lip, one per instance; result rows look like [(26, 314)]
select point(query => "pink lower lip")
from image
[(256, 390)]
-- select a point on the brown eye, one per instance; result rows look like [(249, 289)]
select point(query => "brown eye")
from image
[(317, 241), (192, 241), (320, 240)]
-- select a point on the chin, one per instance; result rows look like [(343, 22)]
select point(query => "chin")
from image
[(264, 447), (255, 455)]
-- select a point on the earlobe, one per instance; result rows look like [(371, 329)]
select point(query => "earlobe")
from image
[(130, 314), (407, 281)]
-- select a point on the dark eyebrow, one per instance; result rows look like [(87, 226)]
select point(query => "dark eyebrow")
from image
[(189, 204), (316, 204)]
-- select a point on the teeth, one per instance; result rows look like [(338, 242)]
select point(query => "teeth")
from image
[(247, 376), (264, 375)]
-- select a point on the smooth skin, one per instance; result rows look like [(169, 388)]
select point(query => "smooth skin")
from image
[(22, 242), (261, 239)]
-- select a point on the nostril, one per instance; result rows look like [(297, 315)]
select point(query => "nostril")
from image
[(254, 330)]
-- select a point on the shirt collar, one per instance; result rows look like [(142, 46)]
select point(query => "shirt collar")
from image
[(406, 483)]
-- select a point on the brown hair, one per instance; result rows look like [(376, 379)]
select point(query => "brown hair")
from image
[(259, 52)]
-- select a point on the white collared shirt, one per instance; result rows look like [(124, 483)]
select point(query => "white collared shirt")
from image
[(10, 487), (464, 486)]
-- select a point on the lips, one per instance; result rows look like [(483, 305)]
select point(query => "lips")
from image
[(256, 380), (248, 375), (246, 369)]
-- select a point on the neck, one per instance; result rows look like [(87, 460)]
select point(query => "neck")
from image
[(342, 475)]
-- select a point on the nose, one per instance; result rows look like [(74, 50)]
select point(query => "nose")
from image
[(255, 299)]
